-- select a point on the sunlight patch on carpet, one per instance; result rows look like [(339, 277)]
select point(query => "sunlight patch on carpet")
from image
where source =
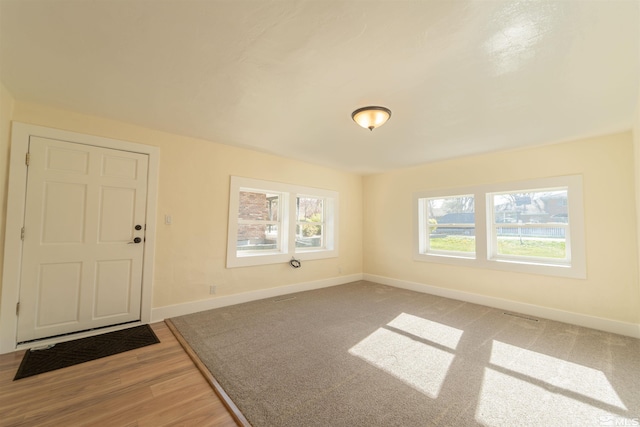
[(428, 330), (574, 378), (411, 360), (507, 400)]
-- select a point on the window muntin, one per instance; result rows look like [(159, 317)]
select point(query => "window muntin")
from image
[(531, 225), (272, 222), (448, 225)]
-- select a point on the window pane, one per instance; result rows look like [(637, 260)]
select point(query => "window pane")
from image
[(532, 246), (309, 236), (531, 207), (516, 215), (453, 243), (258, 206), (451, 223), (257, 237), (309, 209)]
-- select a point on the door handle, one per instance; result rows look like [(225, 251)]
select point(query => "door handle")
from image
[(136, 240)]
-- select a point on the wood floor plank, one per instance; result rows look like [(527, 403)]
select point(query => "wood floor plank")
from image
[(154, 384), (149, 407), (86, 408), (235, 412), (174, 383), (180, 414)]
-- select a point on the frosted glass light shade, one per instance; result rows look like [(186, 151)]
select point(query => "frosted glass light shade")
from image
[(371, 117)]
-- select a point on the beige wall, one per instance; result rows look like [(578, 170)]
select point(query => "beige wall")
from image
[(607, 166), (6, 111), (194, 185), (194, 189)]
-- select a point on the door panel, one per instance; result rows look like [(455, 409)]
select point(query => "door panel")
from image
[(67, 160), (64, 210), (119, 167), (79, 269), (113, 287), (53, 280)]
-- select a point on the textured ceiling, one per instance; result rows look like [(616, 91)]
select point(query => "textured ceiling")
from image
[(461, 77)]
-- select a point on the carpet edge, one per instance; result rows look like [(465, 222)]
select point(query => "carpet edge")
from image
[(208, 376)]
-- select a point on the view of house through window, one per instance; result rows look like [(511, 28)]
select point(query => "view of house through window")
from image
[(259, 221), (531, 223)]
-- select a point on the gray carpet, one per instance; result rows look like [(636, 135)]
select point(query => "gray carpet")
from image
[(364, 354)]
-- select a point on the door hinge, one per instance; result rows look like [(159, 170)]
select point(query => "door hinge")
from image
[(27, 158), (22, 234), (17, 308)]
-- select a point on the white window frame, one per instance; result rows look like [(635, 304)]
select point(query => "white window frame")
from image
[(425, 241), (492, 227), (288, 221), (574, 266)]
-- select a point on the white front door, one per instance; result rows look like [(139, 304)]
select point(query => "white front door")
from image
[(83, 248)]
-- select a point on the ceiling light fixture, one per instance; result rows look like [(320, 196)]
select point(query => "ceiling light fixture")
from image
[(371, 117)]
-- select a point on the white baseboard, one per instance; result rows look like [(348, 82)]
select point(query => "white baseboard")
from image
[(608, 325), (614, 326), (161, 313)]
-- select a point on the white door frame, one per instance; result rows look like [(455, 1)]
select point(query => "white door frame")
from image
[(20, 134)]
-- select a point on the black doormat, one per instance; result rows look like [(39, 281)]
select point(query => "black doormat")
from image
[(83, 350)]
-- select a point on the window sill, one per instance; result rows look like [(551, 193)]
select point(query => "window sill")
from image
[(545, 269), (249, 260)]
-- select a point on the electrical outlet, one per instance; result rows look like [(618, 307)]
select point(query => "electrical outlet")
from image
[(212, 289), (339, 270)]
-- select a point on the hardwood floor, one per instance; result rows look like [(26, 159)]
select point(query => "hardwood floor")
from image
[(157, 385)]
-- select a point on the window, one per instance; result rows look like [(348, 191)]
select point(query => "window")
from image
[(448, 225), (272, 222), (534, 226), (530, 225), (259, 226), (310, 223)]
